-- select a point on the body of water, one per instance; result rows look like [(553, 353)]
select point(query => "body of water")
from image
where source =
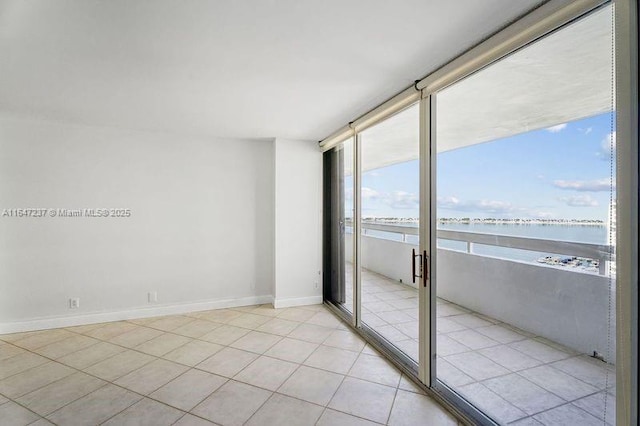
[(592, 234)]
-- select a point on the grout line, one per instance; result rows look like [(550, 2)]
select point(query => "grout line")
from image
[(189, 367), (180, 418), (25, 370), (509, 403), (565, 402), (259, 408), (546, 410), (121, 411), (40, 415), (333, 396), (109, 382), (101, 379), (393, 403), (106, 382), (570, 353)]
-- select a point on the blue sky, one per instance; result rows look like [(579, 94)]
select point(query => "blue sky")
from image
[(561, 172)]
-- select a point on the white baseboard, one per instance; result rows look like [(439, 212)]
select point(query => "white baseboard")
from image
[(146, 312), (297, 301)]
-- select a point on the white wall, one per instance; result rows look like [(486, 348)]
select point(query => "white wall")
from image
[(567, 307), (297, 195), (200, 231), (389, 258)]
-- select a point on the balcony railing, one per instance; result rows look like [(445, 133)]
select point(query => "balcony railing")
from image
[(403, 231), (535, 297), (600, 252)]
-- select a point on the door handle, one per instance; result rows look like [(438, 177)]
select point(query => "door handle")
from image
[(425, 271), (413, 265)]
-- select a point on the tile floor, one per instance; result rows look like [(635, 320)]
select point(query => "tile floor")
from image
[(515, 376), (252, 365)]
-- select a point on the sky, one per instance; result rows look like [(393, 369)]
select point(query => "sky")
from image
[(561, 172)]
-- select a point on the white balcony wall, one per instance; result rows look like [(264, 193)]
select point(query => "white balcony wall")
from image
[(298, 226), (570, 308), (200, 234), (389, 258)]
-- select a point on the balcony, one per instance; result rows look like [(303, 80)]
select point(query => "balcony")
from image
[(515, 338)]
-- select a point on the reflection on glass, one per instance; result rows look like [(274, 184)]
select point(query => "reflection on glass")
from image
[(525, 284), (347, 221), (390, 221), (338, 222)]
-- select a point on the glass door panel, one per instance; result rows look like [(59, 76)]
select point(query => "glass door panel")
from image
[(524, 277), (338, 219), (390, 220)]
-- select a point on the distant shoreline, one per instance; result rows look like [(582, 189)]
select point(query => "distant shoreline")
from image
[(492, 221)]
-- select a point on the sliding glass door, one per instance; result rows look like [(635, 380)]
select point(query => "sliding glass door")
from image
[(471, 235), (525, 189), (390, 223), (375, 276)]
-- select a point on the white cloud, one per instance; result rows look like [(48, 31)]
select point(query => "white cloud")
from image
[(580, 201), (493, 206), (487, 206), (402, 200), (348, 194), (558, 128), (542, 215), (448, 202), (585, 131), (369, 194), (608, 146), (598, 185), (395, 199)]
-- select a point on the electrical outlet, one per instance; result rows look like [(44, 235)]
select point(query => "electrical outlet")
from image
[(74, 303), (153, 296)]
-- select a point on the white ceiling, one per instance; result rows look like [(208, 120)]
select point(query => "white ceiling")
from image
[(563, 77), (295, 69)]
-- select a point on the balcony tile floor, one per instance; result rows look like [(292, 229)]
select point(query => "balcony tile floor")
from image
[(515, 376), (253, 365)]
